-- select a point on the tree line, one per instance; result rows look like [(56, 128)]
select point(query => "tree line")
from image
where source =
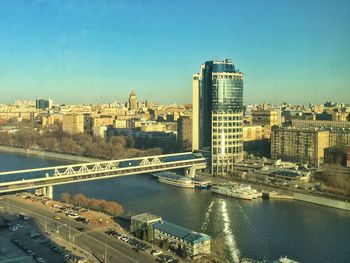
[(54, 139), (108, 207)]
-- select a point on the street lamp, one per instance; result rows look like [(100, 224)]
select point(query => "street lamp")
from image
[(69, 232), (105, 255), (58, 227)]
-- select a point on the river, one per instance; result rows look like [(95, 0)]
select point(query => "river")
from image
[(260, 229)]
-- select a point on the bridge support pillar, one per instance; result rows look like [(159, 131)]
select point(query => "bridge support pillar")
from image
[(190, 172), (48, 190)]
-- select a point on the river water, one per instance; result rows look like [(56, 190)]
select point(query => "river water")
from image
[(260, 229)]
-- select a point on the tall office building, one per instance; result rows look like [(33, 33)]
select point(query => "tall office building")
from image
[(218, 114), (43, 104), (133, 101)]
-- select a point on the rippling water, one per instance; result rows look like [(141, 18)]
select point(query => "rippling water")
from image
[(258, 229)]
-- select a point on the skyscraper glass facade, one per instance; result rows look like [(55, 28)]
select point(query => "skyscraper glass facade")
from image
[(220, 113)]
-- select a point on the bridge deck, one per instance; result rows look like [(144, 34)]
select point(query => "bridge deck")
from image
[(41, 177)]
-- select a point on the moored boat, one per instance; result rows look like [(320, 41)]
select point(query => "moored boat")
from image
[(236, 191), (175, 179)]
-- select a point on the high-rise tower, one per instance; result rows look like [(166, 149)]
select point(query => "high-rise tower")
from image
[(133, 101), (218, 114)]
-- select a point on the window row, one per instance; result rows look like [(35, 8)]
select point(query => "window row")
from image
[(227, 124), (228, 130), (219, 150), (227, 118), (227, 136)]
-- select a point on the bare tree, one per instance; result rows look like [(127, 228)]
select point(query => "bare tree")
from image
[(68, 145), (80, 199), (65, 197), (48, 143)]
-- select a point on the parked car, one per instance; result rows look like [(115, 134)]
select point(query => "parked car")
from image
[(156, 252)]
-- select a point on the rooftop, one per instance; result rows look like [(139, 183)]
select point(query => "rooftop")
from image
[(146, 217), (181, 232)]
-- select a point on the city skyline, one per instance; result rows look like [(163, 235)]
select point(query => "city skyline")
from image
[(293, 51)]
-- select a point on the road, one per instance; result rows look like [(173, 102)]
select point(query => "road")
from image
[(92, 240)]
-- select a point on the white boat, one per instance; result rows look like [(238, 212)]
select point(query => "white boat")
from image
[(236, 191), (219, 189), (175, 179), (285, 260)]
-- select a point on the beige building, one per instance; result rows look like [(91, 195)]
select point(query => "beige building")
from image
[(99, 131), (267, 118), (339, 131), (339, 137), (73, 123), (299, 145), (252, 132), (339, 116), (321, 124), (184, 132), (51, 119), (102, 121), (121, 124), (151, 126)]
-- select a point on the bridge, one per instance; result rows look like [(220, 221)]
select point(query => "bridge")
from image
[(46, 178)]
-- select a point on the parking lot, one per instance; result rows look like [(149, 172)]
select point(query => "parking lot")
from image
[(142, 247), (26, 236), (72, 229)]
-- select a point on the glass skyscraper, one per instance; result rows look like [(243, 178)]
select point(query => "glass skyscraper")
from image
[(218, 114)]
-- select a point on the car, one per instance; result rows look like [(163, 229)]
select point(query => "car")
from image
[(117, 235), (166, 258), (67, 255), (109, 232), (44, 241), (80, 219), (13, 228), (33, 234), (156, 252), (73, 215)]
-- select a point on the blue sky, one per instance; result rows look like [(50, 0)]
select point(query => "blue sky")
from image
[(98, 51)]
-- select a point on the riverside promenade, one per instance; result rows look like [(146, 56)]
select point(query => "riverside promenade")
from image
[(48, 154)]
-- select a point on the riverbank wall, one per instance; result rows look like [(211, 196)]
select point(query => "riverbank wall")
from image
[(322, 201), (46, 154)]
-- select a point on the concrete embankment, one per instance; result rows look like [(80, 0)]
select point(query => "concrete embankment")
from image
[(322, 201), (46, 154)]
